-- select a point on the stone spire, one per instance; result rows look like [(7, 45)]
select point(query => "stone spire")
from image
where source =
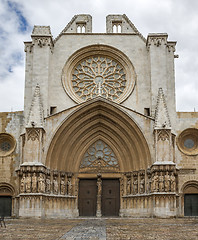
[(35, 118), (162, 119)]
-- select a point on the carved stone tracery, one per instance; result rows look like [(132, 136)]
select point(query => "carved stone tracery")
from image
[(33, 134), (163, 135), (100, 157), (99, 76)]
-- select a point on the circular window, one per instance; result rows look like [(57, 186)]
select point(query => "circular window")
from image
[(98, 71), (188, 141), (99, 76), (7, 144)]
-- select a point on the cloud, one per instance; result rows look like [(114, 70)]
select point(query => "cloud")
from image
[(176, 17)]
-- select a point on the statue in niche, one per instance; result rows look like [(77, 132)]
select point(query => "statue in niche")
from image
[(99, 184), (128, 186), (155, 182), (34, 183), (62, 188), (41, 183), (69, 186), (142, 185), (149, 183), (76, 186), (28, 183), (173, 182), (152, 183), (22, 187), (167, 182), (161, 182), (135, 186), (48, 184), (55, 185)]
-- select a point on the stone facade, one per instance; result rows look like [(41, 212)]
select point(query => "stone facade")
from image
[(99, 107)]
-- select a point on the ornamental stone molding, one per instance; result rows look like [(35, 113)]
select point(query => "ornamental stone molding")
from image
[(160, 39)]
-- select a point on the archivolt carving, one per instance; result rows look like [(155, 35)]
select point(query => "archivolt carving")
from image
[(98, 120), (190, 187), (6, 189)]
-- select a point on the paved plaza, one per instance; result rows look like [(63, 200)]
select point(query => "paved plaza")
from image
[(100, 229)]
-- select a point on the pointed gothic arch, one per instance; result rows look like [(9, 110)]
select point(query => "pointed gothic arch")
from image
[(93, 120)]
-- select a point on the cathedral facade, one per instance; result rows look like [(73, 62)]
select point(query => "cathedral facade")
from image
[(99, 134)]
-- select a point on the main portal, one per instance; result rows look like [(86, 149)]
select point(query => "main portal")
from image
[(92, 200)]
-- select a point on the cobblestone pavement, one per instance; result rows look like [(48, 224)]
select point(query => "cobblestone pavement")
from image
[(93, 229), (100, 229)]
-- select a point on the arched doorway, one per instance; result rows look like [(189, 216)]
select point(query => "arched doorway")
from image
[(99, 120), (191, 199), (6, 193), (99, 196)]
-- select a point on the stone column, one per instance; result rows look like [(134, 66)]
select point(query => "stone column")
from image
[(99, 195)]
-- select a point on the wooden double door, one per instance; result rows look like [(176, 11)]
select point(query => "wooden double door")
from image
[(88, 196)]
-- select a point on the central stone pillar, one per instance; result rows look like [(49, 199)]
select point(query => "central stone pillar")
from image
[(99, 197)]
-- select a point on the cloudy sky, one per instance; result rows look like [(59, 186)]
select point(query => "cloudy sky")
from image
[(178, 18)]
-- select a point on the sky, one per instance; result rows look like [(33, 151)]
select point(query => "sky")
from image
[(178, 18)]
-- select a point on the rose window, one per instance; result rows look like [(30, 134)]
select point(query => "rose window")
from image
[(98, 76)]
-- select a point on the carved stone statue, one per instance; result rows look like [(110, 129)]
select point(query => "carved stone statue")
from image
[(167, 182), (99, 184), (62, 188), (135, 186), (55, 185), (22, 188), (149, 183), (48, 184), (173, 182), (28, 183), (142, 185), (34, 183), (69, 186), (155, 182), (41, 183), (161, 182), (128, 185)]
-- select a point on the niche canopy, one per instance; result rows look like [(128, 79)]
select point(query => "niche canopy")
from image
[(98, 71)]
